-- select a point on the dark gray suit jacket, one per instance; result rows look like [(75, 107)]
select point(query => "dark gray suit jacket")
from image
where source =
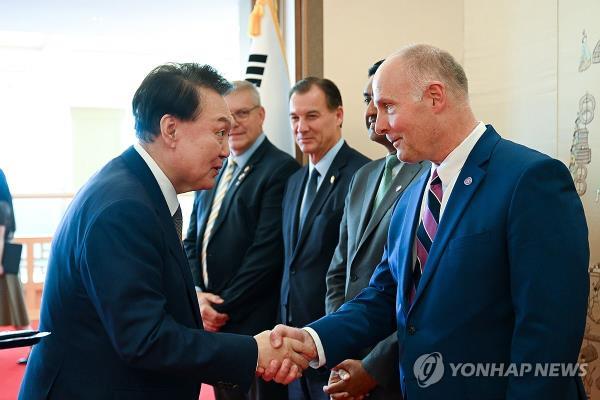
[(363, 234)]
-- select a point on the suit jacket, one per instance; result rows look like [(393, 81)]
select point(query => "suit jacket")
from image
[(7, 220), (363, 234), (119, 301), (245, 250), (308, 254), (505, 282)]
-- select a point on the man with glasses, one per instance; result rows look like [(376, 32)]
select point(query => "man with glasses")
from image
[(234, 241)]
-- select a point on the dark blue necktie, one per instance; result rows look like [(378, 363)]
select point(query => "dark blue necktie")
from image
[(311, 193)]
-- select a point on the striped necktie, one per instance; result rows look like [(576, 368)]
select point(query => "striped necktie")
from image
[(214, 213), (427, 229)]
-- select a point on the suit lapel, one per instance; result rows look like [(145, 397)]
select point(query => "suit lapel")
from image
[(329, 181), (370, 191), (467, 183), (404, 177), (238, 181), (204, 203), (407, 238), (295, 195), (139, 167)]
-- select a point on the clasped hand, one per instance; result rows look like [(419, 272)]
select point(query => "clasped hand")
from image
[(349, 380), (284, 353)]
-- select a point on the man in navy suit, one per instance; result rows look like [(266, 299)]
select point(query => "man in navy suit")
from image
[(118, 296), (485, 267), (234, 243), (373, 192), (313, 204)]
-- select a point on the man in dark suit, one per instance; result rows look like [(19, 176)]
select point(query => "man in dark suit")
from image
[(234, 243), (373, 191), (118, 296), (313, 205), (484, 274)]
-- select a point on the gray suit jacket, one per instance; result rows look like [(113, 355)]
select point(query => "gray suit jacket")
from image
[(363, 234)]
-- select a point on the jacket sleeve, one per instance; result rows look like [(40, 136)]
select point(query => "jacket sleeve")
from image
[(382, 362), (365, 320)]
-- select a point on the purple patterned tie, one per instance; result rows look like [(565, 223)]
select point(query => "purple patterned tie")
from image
[(427, 229)]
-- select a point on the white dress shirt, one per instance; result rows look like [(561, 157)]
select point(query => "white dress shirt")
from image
[(166, 187)]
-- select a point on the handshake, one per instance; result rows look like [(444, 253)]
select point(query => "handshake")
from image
[(284, 353)]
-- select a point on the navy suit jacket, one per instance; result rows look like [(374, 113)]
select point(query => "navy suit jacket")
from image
[(119, 301), (308, 254), (245, 250), (505, 282)]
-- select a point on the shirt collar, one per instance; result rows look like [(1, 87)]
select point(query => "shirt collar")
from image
[(449, 169), (324, 163), (166, 187), (243, 158)]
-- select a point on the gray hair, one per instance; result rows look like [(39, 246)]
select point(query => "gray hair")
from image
[(239, 86), (425, 63)]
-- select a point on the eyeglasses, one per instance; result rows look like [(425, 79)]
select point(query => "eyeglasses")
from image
[(244, 113)]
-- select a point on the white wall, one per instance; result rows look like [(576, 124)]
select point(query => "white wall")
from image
[(511, 61)]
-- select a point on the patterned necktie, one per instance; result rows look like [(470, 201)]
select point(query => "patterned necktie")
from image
[(311, 193), (386, 180), (427, 229), (178, 221), (214, 213)]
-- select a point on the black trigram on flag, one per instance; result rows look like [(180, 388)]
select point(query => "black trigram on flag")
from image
[(256, 68)]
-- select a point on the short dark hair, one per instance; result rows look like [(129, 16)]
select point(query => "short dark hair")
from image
[(173, 89), (333, 97), (373, 68)]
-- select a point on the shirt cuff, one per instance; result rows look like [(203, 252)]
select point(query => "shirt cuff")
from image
[(198, 289), (320, 352), (257, 353)]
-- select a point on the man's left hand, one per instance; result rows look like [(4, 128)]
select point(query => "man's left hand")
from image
[(353, 385), (212, 320)]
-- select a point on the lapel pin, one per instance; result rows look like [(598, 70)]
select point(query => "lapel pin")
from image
[(398, 188), (468, 181), (242, 175), (332, 179), (240, 178)]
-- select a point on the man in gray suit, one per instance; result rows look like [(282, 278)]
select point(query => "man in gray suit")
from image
[(363, 233)]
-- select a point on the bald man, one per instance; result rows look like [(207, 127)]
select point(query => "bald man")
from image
[(484, 274)]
